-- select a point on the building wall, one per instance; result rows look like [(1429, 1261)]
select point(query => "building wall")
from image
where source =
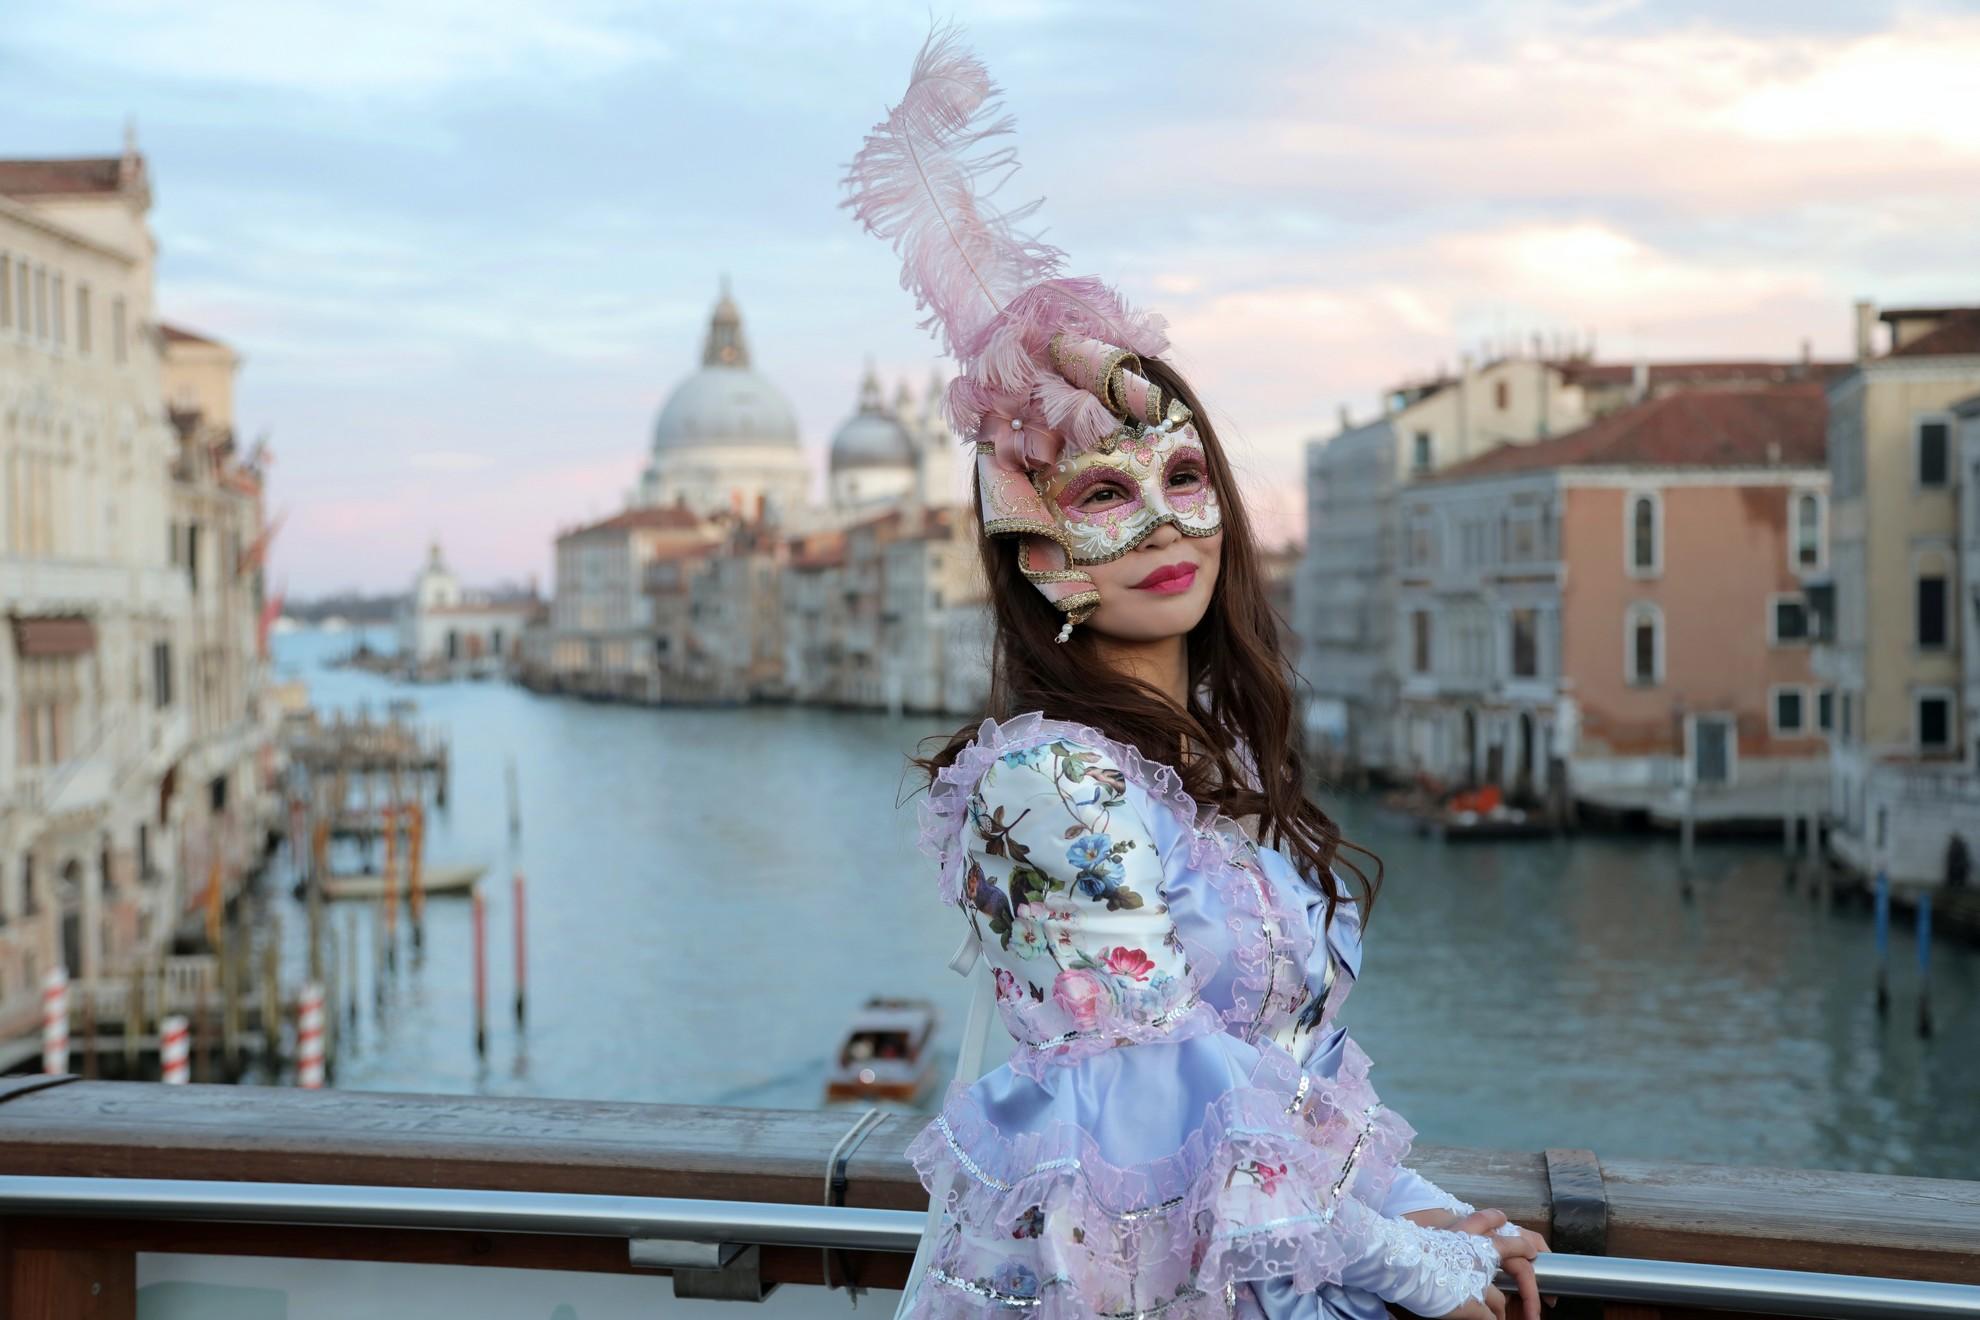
[(1724, 548)]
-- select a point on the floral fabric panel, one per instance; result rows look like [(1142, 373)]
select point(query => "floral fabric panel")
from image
[(1064, 888)]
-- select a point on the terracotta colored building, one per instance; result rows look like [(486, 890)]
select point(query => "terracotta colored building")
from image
[(1617, 614)]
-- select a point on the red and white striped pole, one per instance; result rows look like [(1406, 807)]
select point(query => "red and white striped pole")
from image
[(309, 1038), (55, 1020), (480, 976), (174, 1051)]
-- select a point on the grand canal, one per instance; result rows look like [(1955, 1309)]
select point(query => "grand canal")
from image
[(711, 894)]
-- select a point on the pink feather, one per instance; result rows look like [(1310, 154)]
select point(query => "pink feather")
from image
[(923, 182), (1074, 413)]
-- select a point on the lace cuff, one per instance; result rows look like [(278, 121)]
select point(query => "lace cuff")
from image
[(1430, 1271), (1443, 1200)]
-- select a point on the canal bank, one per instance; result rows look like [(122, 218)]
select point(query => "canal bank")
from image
[(712, 893)]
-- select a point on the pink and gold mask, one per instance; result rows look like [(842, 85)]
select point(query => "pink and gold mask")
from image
[(1096, 505)]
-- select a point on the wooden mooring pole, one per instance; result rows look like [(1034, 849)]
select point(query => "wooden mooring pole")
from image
[(1881, 907), (415, 844), (480, 976), (271, 994), (522, 963), (1925, 963)]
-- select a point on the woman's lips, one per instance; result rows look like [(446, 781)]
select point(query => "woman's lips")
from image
[(1168, 580)]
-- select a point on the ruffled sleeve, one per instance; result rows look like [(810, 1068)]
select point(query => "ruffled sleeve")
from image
[(1063, 881)]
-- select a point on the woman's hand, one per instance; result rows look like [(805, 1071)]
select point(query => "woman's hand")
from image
[(1491, 1307), (1516, 1254)]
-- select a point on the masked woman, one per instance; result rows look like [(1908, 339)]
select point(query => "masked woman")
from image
[(1184, 1128)]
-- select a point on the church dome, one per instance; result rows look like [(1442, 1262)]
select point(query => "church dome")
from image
[(872, 437), (727, 402)]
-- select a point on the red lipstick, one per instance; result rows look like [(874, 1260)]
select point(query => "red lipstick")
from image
[(1169, 580)]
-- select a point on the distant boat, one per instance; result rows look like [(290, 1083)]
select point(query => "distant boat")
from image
[(334, 623), (285, 625), (885, 1053), (434, 881)]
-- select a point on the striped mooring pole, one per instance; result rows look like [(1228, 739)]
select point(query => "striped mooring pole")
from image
[(55, 1020), (309, 1038), (174, 1051)]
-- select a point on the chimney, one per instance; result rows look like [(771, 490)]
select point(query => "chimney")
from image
[(1866, 321), (1345, 423), (1639, 380)]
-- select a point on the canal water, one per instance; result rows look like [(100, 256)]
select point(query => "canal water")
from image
[(712, 893)]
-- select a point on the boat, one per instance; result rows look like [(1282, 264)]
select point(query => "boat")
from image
[(885, 1054), (434, 881)]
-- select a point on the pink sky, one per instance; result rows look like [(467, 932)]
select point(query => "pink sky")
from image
[(466, 250)]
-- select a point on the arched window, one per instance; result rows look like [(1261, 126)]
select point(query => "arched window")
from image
[(1646, 551), (1808, 530), (1643, 645)]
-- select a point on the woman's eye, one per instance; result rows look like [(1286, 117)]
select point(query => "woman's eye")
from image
[(1183, 478), (1098, 496)]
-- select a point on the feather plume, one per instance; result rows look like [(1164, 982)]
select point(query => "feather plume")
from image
[(1073, 412), (924, 181)]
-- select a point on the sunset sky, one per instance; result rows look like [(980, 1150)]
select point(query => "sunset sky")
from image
[(466, 248)]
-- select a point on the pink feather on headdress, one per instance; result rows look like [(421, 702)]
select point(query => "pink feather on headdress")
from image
[(923, 181)]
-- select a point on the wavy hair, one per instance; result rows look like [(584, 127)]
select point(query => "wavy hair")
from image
[(1240, 709)]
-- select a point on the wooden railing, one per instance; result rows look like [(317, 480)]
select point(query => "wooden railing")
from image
[(1833, 1223)]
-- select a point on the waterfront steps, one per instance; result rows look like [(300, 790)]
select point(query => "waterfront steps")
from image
[(1833, 1223)]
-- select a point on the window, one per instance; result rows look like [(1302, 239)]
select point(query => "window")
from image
[(1934, 457), (1501, 396), (23, 306), (1825, 709), (1788, 710), (1526, 643), (192, 556), (1808, 530), (118, 346), (58, 302), (40, 303), (1934, 721), (6, 291), (1419, 622), (1645, 552), (1644, 642), (1787, 619), (1848, 727), (1420, 456), (82, 318), (1931, 616), (161, 675)]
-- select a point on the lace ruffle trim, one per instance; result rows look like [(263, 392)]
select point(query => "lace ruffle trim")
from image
[(1039, 1221)]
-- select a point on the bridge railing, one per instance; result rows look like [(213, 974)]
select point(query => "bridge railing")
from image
[(139, 1191)]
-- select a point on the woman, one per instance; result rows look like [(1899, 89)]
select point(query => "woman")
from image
[(1183, 1128)]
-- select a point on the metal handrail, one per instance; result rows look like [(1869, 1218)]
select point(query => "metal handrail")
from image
[(1649, 1282)]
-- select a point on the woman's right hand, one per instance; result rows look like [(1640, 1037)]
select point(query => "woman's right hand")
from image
[(1516, 1255)]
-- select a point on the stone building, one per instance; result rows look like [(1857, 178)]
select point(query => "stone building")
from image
[(1344, 606), (135, 759), (1617, 614), (445, 630), (1891, 616)]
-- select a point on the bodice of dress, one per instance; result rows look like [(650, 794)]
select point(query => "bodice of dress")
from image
[(1183, 1125)]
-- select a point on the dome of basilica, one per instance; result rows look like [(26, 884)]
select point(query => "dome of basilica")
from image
[(726, 402), (872, 437)]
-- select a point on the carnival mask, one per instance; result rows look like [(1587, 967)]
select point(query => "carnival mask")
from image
[(1108, 501)]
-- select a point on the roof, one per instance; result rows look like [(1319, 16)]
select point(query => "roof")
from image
[(42, 178), (178, 334), (659, 518), (1782, 426), (1679, 375), (1958, 332)]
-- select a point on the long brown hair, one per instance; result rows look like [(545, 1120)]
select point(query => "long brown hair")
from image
[(1239, 680)]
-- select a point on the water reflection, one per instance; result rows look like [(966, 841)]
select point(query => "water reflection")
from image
[(713, 892)]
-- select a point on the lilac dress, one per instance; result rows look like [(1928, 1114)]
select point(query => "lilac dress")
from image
[(1182, 1128)]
